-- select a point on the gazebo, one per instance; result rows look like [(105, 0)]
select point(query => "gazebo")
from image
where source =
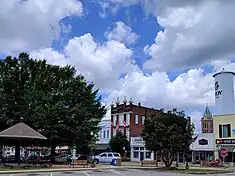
[(18, 133)]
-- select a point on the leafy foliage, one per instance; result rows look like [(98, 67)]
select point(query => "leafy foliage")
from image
[(168, 133), (53, 100), (118, 142)]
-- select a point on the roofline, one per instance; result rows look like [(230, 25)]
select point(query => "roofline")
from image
[(23, 137), (223, 72)]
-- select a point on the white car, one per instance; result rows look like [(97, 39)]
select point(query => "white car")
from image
[(107, 157)]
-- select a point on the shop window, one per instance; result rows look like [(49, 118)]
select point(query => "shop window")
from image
[(224, 131), (135, 148), (136, 154), (148, 155), (136, 119), (107, 134)]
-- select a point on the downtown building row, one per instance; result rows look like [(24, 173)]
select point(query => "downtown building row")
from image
[(128, 118), (218, 130)]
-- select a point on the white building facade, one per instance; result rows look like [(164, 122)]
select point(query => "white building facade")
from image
[(104, 134), (138, 150), (203, 147)]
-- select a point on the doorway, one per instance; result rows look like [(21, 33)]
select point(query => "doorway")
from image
[(141, 156)]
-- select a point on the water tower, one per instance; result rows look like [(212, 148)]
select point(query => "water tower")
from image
[(224, 92)]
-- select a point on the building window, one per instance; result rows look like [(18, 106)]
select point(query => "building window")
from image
[(114, 132), (121, 119), (114, 120), (128, 119), (136, 154), (100, 134), (135, 148), (107, 134), (225, 131), (143, 119), (104, 134), (136, 119)]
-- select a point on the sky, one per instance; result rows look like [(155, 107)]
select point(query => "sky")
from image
[(161, 53)]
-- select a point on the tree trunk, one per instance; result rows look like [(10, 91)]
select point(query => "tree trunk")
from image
[(167, 158), (53, 154)]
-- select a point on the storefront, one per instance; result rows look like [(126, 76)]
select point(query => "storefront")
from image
[(229, 145), (202, 148), (138, 150)]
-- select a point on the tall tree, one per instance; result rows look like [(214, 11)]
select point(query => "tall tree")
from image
[(54, 100), (118, 142), (168, 133)]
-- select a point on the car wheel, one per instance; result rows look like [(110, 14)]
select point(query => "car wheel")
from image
[(97, 161), (113, 162)]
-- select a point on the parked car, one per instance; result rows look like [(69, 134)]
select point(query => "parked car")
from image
[(107, 157)]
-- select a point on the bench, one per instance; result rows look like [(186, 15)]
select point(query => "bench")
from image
[(83, 163), (148, 162)]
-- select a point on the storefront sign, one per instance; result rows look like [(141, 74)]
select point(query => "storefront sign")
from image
[(218, 92), (137, 141), (203, 142), (225, 141)]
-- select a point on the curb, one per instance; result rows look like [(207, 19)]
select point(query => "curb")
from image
[(70, 169), (50, 170)]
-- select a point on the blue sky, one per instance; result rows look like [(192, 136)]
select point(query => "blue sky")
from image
[(161, 53)]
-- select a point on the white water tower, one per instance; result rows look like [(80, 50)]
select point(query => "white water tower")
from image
[(224, 92)]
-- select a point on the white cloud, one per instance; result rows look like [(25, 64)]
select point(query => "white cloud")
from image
[(196, 120), (192, 89), (100, 63), (122, 33), (194, 34), (27, 25)]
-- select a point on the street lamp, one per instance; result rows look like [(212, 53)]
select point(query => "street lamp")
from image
[(74, 154)]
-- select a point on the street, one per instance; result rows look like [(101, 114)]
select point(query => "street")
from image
[(109, 172)]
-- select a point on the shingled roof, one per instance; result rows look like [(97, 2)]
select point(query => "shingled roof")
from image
[(21, 131)]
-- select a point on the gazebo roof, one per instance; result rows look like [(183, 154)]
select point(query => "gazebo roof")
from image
[(21, 131)]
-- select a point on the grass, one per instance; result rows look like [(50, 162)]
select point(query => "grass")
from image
[(195, 171)]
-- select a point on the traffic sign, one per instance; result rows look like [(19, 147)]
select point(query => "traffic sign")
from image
[(223, 152)]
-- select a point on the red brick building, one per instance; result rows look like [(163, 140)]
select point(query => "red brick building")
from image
[(129, 118), (207, 121)]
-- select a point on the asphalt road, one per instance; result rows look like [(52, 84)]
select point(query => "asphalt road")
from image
[(110, 172)]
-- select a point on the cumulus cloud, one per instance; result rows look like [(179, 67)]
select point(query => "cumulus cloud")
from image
[(194, 34), (122, 33), (192, 89), (101, 63), (28, 25)]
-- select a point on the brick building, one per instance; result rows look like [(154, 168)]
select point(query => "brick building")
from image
[(207, 121), (129, 118)]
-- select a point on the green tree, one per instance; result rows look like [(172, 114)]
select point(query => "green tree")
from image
[(54, 100), (118, 142), (168, 133)]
